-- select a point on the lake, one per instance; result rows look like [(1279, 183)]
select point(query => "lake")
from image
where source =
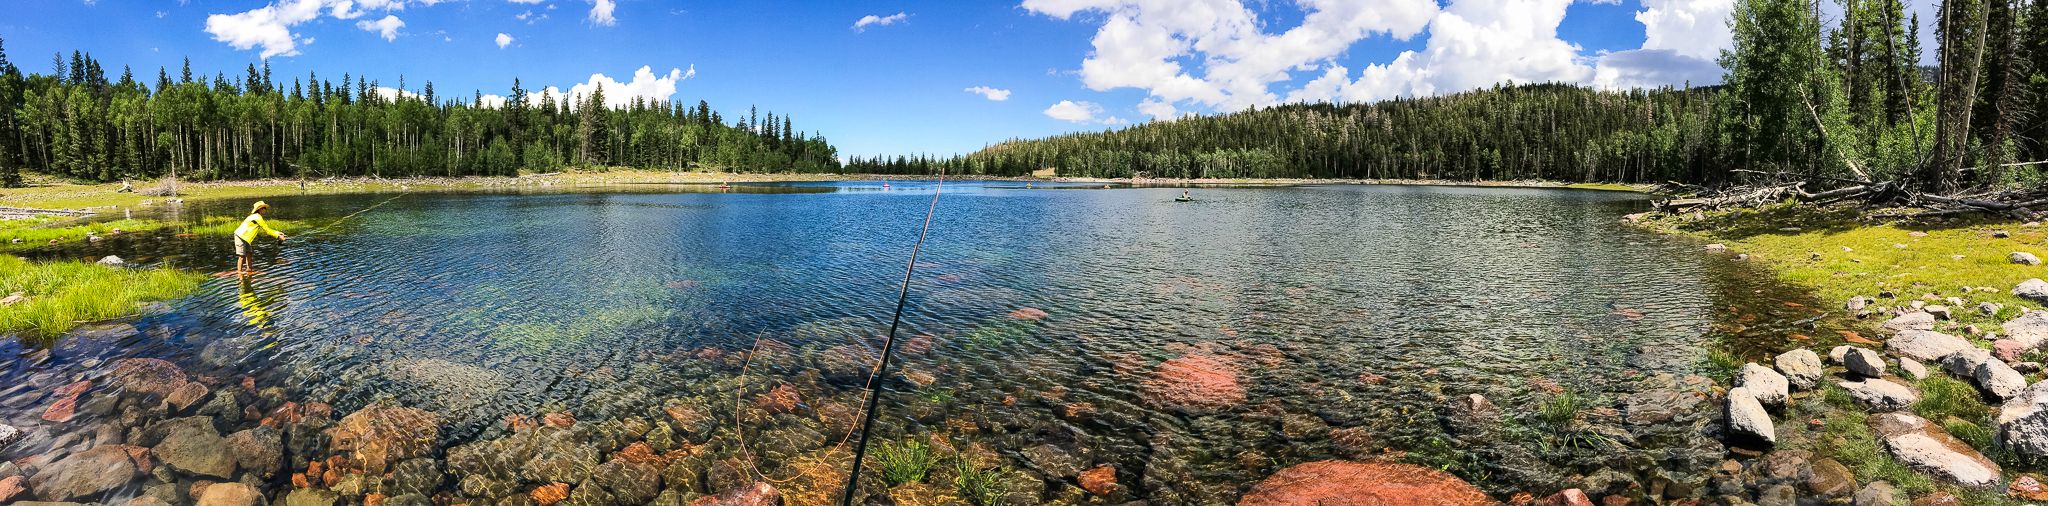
[(1194, 347)]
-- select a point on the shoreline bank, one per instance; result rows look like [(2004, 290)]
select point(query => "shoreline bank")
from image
[(1922, 400)]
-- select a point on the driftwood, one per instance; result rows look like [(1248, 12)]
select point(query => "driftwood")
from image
[(2024, 204)]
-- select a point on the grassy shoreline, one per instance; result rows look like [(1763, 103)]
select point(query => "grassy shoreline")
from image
[(1837, 255)]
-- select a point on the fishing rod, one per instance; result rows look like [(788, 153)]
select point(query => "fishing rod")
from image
[(867, 422)]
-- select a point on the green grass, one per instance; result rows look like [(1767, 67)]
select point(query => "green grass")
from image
[(1561, 409), (38, 232), (62, 294), (1603, 187), (982, 487), (1804, 245), (1943, 398), (905, 463)]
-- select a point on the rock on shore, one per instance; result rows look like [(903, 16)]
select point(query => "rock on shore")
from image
[(1926, 447), (1747, 418), (1925, 345), (2023, 421)]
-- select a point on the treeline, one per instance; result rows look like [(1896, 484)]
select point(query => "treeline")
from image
[(1799, 99), (75, 121)]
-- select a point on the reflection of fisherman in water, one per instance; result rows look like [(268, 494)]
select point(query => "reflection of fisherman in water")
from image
[(255, 310)]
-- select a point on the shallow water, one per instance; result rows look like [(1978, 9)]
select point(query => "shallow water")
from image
[(1350, 314)]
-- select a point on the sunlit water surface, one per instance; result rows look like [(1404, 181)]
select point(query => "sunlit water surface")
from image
[(1344, 310)]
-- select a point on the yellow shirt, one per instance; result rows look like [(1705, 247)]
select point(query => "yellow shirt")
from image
[(252, 225)]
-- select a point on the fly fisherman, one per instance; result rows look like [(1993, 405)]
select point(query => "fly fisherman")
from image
[(246, 234)]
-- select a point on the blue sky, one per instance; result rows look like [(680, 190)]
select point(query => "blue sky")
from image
[(900, 83)]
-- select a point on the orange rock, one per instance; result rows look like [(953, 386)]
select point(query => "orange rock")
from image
[(1028, 313), (783, 399), (1371, 379), (1346, 483), (756, 494), (1523, 498), (1078, 410), (1195, 383), (331, 477), (374, 499), (12, 486), (550, 493), (2028, 487), (1567, 497), (637, 453), (518, 423), (558, 419), (62, 410), (299, 480), (380, 435), (140, 456), (1615, 500), (1101, 480)]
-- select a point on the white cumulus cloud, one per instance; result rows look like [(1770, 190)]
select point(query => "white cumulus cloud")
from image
[(504, 39), (1217, 53), (269, 28), (996, 94), (645, 85), (872, 20), (1080, 112), (386, 28), (601, 12)]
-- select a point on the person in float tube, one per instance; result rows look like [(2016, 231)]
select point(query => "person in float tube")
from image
[(246, 234), (1184, 195)]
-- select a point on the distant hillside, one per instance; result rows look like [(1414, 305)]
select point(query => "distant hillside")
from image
[(1542, 131)]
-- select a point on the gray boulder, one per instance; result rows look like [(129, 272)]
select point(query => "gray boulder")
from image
[(1999, 379), (1877, 493), (1917, 320), (1747, 418), (1864, 362), (1769, 387), (1838, 353), (1880, 395), (2033, 289), (1926, 447), (1925, 345), (1801, 368), (112, 261), (1912, 369), (1963, 363), (2023, 421), (2023, 258), (2031, 329)]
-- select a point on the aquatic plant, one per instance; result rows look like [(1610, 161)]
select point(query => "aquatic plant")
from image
[(979, 486), (905, 463), (62, 294), (1561, 409)]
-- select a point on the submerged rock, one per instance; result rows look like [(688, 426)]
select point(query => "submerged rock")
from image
[(231, 494), (196, 448), (9, 435), (259, 450), (380, 435), (1345, 482), (147, 376), (1195, 384), (1924, 446), (85, 474), (1801, 367), (753, 494)]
